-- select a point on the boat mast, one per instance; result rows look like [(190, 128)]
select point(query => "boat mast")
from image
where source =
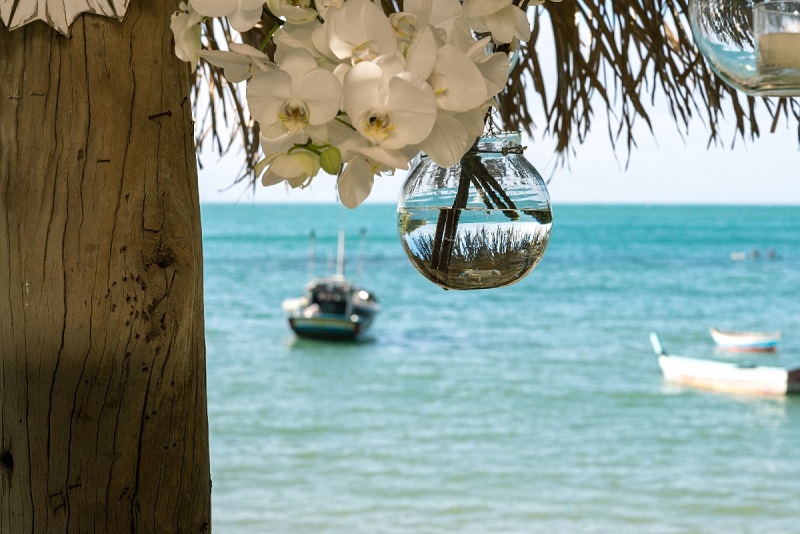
[(312, 241), (340, 254), (361, 254)]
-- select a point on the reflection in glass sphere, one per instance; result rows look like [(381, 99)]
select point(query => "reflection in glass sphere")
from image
[(482, 223)]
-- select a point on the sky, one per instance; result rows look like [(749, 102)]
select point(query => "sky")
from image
[(663, 169)]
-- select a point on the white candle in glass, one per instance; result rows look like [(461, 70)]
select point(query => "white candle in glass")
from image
[(777, 32), (779, 50)]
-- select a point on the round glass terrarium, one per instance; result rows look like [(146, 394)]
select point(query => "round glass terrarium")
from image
[(753, 45), (482, 223)]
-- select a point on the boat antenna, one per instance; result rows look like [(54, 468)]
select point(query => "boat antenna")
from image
[(340, 254), (361, 254), (312, 238)]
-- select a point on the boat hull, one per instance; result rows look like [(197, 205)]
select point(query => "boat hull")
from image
[(328, 328), (729, 377), (746, 341), (332, 309)]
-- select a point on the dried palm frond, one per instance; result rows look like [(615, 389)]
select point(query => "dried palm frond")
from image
[(614, 57)]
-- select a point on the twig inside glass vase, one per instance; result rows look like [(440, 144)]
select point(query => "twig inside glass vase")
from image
[(472, 171)]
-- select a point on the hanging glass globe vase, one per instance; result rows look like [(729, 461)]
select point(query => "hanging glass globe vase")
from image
[(752, 45), (482, 223)]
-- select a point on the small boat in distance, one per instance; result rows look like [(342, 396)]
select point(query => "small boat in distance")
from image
[(332, 308), (731, 377), (746, 341)]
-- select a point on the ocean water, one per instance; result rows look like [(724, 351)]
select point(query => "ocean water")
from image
[(536, 408)]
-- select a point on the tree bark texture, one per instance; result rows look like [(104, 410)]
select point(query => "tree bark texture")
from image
[(103, 422)]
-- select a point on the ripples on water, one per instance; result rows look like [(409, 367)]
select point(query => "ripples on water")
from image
[(533, 408)]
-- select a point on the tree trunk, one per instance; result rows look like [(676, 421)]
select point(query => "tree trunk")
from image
[(103, 423)]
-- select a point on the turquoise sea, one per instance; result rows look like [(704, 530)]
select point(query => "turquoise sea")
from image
[(536, 408)]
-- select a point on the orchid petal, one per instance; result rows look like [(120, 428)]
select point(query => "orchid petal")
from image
[(239, 63), (322, 93), (355, 182), (300, 163), (494, 70), (281, 144), (270, 178), (214, 8), (362, 87), (483, 8), (297, 63), (292, 13), (508, 24), (465, 87), (267, 93), (412, 107), (186, 32), (448, 141), (292, 36), (421, 55), (395, 159), (440, 14), (243, 20)]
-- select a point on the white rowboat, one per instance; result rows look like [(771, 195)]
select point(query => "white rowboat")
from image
[(746, 341), (730, 377)]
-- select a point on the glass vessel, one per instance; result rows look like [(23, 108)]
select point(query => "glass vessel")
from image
[(752, 45), (483, 223)]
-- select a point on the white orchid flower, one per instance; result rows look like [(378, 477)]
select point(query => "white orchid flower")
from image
[(388, 106), (501, 18), (294, 11), (185, 26), (287, 160), (240, 63), (298, 95), (243, 15), (358, 31), (297, 168)]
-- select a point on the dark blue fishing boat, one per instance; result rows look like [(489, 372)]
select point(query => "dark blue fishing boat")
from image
[(332, 308)]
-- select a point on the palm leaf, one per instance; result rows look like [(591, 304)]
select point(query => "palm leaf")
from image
[(616, 58)]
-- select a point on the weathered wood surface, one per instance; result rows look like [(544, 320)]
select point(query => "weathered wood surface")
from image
[(103, 424)]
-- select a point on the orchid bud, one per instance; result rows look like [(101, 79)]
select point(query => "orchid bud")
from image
[(331, 160)]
